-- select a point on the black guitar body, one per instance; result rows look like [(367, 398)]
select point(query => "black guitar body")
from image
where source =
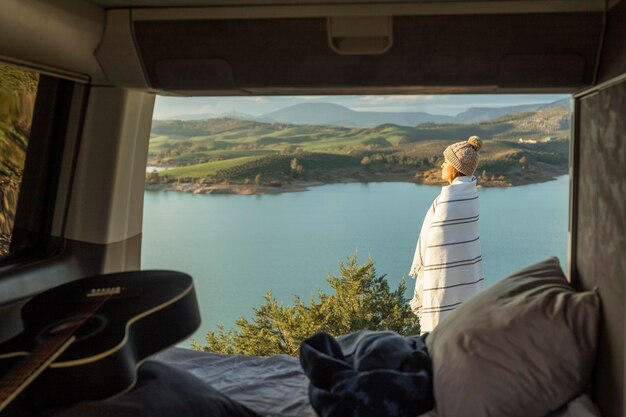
[(154, 310)]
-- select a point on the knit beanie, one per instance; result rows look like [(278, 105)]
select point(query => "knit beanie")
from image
[(464, 155)]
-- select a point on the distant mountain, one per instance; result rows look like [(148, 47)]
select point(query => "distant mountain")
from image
[(566, 102), (482, 114), (244, 116), (194, 116), (228, 115), (334, 114)]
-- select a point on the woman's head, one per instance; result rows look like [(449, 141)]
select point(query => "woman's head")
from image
[(461, 158)]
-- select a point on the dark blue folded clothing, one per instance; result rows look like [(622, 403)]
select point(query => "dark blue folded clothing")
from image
[(368, 374)]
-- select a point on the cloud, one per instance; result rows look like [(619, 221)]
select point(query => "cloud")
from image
[(409, 98), (313, 97), (386, 109), (207, 108)]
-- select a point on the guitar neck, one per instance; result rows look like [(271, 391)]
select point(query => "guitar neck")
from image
[(18, 378), (29, 368)]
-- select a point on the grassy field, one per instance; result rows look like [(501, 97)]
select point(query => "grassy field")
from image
[(209, 168)]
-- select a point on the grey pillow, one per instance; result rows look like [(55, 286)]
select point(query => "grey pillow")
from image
[(523, 347), (582, 406)]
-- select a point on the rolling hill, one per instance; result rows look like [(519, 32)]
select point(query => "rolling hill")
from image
[(522, 147)]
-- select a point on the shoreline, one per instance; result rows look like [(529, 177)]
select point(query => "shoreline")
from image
[(300, 186)]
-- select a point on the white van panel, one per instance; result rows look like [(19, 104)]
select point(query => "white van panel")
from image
[(106, 201)]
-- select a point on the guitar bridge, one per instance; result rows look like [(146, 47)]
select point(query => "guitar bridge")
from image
[(103, 292)]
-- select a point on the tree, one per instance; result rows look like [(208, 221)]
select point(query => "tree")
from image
[(361, 300), (152, 177), (523, 161), (296, 169), (199, 148)]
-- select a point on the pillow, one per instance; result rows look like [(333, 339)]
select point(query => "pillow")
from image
[(523, 347), (162, 391), (582, 406)]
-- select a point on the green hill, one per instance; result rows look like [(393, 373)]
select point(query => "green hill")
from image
[(236, 151)]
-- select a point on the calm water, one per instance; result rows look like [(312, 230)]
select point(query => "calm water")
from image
[(238, 247)]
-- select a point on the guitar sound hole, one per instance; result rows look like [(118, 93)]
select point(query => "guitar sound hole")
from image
[(90, 327)]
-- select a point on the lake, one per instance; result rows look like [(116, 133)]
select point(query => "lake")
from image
[(237, 247)]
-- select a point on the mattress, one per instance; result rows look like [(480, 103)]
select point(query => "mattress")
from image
[(274, 386)]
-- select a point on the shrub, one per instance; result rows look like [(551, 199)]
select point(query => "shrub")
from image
[(361, 300)]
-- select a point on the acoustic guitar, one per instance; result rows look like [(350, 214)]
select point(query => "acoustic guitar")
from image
[(85, 339)]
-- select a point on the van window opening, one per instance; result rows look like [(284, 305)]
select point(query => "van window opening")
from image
[(18, 89), (272, 193)]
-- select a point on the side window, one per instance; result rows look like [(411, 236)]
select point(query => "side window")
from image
[(18, 89)]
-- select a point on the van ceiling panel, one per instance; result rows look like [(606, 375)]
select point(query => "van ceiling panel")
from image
[(55, 38), (613, 61), (525, 52)]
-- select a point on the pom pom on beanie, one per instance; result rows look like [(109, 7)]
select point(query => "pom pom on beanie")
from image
[(475, 142)]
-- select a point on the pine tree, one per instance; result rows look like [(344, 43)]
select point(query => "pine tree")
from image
[(361, 300)]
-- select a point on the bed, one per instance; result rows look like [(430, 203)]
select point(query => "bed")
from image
[(525, 346)]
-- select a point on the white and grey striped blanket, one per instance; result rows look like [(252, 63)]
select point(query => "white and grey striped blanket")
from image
[(448, 262)]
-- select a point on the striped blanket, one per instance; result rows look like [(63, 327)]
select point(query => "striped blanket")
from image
[(447, 263)]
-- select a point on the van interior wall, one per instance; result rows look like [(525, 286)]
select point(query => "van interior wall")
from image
[(600, 260), (106, 202), (600, 209), (101, 231)]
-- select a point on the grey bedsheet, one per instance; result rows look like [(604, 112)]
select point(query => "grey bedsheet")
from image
[(272, 386), (276, 386)]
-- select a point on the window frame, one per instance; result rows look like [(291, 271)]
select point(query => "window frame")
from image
[(39, 210)]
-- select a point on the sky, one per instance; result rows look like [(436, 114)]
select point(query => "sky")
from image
[(451, 105)]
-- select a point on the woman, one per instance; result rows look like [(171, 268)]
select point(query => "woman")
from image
[(448, 265)]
